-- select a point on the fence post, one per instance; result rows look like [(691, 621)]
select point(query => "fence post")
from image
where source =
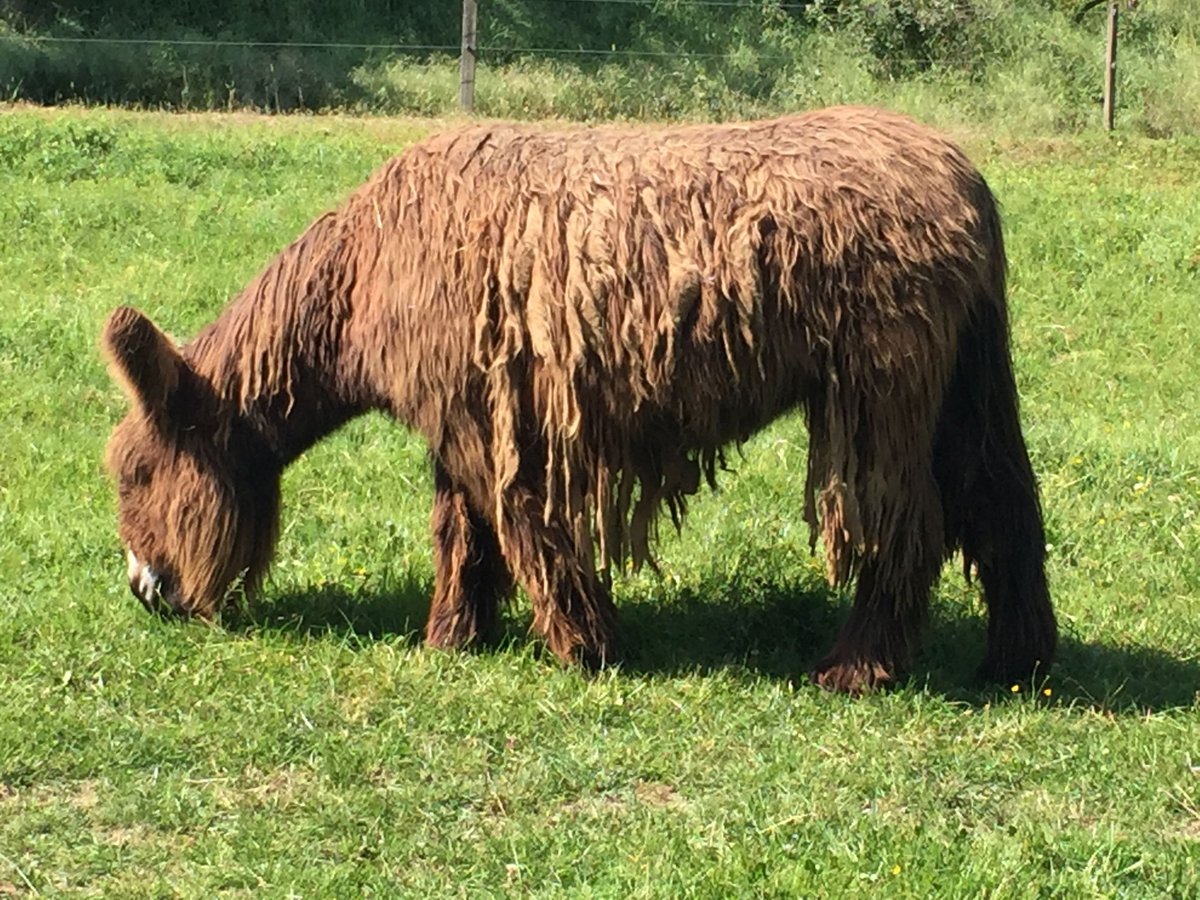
[(466, 65), (1110, 68)]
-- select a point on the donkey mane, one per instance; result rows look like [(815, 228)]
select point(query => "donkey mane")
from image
[(271, 357), (579, 322)]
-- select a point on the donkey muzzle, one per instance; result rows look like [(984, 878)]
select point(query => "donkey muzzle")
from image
[(152, 588)]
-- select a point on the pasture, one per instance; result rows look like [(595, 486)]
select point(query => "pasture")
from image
[(309, 744)]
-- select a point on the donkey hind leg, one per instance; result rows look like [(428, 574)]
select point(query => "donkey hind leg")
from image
[(891, 601), (572, 608), (1003, 535), (871, 452), (991, 500), (991, 506), (471, 578)]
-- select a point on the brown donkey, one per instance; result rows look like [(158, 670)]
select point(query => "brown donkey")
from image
[(578, 322)]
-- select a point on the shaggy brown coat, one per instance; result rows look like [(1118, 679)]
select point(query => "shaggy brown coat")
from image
[(578, 323)]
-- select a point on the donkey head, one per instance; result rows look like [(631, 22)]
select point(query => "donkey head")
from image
[(199, 495)]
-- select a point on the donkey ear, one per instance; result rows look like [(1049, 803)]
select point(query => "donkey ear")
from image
[(142, 359)]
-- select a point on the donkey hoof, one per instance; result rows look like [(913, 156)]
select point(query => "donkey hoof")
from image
[(855, 677), (591, 656), (1012, 670)]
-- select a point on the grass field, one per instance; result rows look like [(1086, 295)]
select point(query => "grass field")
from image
[(310, 746)]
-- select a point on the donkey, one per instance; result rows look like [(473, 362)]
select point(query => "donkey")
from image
[(578, 323)]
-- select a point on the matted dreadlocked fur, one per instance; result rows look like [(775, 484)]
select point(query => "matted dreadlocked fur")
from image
[(579, 322)]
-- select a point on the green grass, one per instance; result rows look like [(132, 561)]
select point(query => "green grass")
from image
[(311, 746)]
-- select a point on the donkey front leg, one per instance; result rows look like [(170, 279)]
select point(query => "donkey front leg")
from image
[(572, 609), (881, 635), (472, 579)]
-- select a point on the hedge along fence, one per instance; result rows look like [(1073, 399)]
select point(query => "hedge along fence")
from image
[(189, 60), (193, 73), (179, 53), (591, 59)]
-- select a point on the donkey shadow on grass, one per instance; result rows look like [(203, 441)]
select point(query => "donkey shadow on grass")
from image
[(758, 628)]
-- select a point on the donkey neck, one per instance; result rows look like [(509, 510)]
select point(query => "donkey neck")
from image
[(274, 357)]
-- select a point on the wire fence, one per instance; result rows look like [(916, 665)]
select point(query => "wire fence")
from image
[(214, 43), (12, 36), (399, 48), (582, 59), (748, 48), (222, 71)]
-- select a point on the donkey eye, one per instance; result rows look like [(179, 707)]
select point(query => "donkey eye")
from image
[(138, 476)]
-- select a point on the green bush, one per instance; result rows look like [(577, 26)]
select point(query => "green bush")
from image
[(903, 37)]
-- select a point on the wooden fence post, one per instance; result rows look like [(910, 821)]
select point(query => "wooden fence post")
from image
[(1110, 68), (466, 65)]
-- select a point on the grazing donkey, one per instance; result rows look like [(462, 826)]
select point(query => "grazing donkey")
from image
[(578, 323)]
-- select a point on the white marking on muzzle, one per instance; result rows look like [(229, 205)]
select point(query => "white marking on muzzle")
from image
[(143, 577)]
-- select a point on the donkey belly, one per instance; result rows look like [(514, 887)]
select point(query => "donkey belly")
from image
[(714, 402)]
